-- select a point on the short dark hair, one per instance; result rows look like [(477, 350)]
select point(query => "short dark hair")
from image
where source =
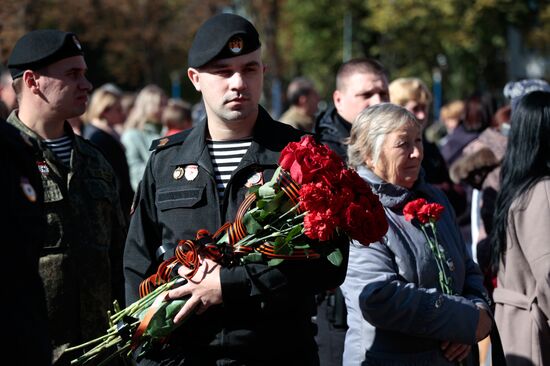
[(298, 87), (362, 65)]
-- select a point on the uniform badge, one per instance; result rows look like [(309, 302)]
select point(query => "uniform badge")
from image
[(255, 179), (28, 190), (43, 168), (76, 43), (235, 45), (191, 172), (163, 141), (178, 173)]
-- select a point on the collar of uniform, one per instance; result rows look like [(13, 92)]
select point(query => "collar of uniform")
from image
[(269, 138), (38, 142), (15, 121)]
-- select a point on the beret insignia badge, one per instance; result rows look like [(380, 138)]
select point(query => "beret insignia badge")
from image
[(235, 45)]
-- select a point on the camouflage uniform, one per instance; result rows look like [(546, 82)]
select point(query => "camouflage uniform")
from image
[(81, 263)]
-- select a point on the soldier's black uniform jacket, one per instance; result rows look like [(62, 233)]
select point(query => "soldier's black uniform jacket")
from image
[(22, 226), (266, 313)]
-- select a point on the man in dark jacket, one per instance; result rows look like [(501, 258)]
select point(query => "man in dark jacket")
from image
[(360, 83), (81, 262), (22, 224), (251, 314)]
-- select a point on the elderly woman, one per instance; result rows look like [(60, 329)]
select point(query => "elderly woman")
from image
[(397, 312)]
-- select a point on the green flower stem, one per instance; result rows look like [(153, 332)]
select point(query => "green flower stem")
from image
[(145, 302), (437, 257), (93, 341), (112, 338), (442, 258), (247, 241), (115, 354), (444, 281)]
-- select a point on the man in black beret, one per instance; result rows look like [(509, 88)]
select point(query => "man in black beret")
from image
[(251, 314), (81, 262)]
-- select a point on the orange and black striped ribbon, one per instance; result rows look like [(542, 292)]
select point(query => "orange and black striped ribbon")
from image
[(237, 230), (289, 186), (268, 250)]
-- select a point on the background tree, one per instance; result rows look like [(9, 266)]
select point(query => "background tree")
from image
[(135, 42)]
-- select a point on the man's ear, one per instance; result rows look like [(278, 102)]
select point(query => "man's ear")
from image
[(31, 81), (193, 75), (336, 97)]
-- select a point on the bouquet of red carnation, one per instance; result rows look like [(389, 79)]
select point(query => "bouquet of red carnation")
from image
[(312, 198), (426, 215)]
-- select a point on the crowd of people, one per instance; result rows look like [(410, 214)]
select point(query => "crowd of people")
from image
[(101, 184)]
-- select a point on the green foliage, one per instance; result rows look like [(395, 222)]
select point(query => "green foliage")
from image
[(162, 323), (408, 35), (335, 257), (134, 42)]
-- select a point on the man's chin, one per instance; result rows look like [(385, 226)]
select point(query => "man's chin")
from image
[(237, 115)]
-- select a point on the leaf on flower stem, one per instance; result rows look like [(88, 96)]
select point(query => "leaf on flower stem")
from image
[(252, 258), (269, 206), (267, 190), (296, 231), (335, 257), (301, 245), (251, 224), (162, 323), (274, 262), (282, 246)]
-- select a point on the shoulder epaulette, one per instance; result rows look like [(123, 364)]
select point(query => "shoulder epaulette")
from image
[(171, 140)]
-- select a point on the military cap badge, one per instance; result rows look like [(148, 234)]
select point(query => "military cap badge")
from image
[(235, 44)]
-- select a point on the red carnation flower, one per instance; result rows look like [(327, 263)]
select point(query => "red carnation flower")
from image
[(423, 211), (411, 209), (319, 225), (430, 212), (307, 161), (365, 225)]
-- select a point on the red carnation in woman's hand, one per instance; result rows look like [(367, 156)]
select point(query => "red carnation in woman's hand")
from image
[(427, 214), (423, 211), (430, 212), (411, 209)]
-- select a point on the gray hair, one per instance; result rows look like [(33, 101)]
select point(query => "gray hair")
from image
[(370, 128)]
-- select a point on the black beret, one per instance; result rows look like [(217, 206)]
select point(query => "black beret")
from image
[(223, 36), (41, 48)]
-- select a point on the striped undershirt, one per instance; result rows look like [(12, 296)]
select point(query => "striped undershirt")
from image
[(62, 148), (226, 156)]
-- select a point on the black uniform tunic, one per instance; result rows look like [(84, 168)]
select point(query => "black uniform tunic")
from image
[(266, 313)]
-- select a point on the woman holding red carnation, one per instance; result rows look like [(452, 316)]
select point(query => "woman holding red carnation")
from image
[(398, 311)]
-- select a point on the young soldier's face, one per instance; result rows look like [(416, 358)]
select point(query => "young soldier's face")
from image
[(64, 86), (231, 87)]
